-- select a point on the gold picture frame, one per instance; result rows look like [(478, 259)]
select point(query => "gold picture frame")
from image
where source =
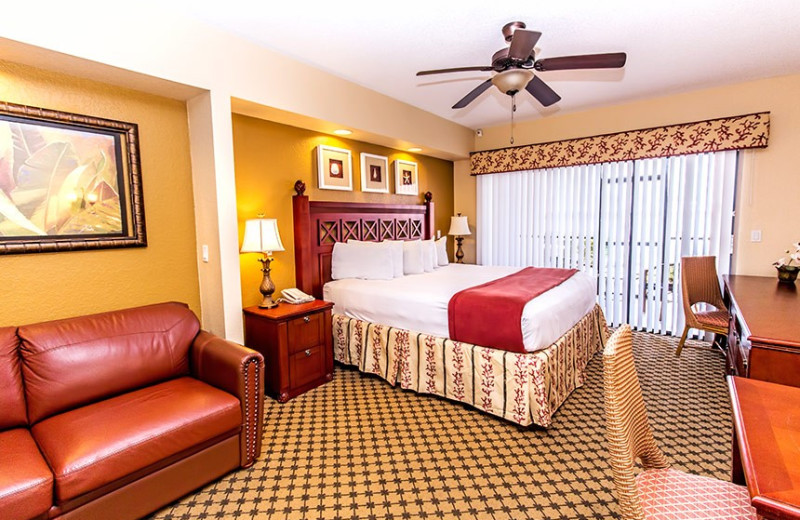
[(334, 168), (406, 178), (374, 173), (68, 182)]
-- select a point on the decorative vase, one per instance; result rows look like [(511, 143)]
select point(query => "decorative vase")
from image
[(787, 273)]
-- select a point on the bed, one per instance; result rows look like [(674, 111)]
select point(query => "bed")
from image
[(396, 329)]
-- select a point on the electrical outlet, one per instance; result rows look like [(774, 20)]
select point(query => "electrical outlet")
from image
[(205, 253), (438, 233), (755, 235)]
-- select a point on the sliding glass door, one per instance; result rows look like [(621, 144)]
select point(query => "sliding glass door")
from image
[(628, 223)]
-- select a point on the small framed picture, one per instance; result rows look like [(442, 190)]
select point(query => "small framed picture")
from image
[(335, 168), (406, 178), (374, 173)]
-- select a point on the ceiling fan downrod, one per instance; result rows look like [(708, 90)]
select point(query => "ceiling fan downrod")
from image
[(513, 109)]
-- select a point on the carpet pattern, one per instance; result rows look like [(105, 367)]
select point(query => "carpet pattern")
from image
[(388, 454)]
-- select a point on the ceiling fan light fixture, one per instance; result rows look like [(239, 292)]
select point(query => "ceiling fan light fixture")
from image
[(512, 81)]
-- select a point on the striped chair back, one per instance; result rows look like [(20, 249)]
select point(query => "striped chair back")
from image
[(628, 432)]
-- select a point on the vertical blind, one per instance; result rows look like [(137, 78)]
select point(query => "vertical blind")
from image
[(628, 223)]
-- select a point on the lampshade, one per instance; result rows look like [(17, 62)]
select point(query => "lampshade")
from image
[(512, 80), (261, 236), (459, 226)]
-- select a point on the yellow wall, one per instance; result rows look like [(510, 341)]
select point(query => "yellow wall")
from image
[(37, 287), (769, 185), (270, 157)]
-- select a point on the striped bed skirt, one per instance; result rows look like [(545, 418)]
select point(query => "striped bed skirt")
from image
[(523, 388)]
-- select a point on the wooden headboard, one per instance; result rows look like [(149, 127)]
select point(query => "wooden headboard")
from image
[(319, 225)]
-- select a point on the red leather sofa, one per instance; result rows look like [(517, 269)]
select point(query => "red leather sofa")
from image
[(114, 415)]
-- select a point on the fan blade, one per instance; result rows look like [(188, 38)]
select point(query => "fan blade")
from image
[(543, 94), (612, 60), (456, 69), (477, 91), (522, 44)]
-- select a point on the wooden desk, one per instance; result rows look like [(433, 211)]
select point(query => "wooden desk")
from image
[(764, 329), (766, 445)]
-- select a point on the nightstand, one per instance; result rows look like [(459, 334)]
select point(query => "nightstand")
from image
[(297, 345)]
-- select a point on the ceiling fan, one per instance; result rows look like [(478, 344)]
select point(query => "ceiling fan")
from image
[(515, 64)]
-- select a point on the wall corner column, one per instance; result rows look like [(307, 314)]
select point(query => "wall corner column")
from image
[(465, 201), (214, 186)]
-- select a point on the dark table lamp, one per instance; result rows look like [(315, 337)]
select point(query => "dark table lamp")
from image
[(459, 228)]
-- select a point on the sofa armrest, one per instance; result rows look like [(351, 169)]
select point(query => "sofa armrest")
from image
[(239, 371)]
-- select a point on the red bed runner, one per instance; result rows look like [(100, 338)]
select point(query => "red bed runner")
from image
[(490, 315)]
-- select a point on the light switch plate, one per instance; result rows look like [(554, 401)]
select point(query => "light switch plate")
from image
[(755, 235), (205, 253)]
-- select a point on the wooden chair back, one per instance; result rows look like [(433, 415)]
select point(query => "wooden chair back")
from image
[(699, 284)]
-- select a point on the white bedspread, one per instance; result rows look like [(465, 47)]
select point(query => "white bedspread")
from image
[(419, 302)]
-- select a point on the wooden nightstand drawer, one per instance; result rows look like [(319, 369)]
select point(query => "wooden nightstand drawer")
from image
[(305, 332), (306, 366)]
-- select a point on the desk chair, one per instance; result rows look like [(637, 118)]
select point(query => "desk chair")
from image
[(658, 492), (700, 284)]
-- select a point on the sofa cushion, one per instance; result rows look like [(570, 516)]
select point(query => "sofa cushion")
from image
[(77, 361), (26, 483), (102, 442), (12, 398)]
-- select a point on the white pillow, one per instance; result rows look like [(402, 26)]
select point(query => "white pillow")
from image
[(359, 260), (396, 248), (441, 252), (412, 257), (429, 255)]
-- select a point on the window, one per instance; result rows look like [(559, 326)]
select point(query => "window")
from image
[(628, 223)]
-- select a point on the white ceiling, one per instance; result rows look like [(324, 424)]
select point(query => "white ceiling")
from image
[(672, 47)]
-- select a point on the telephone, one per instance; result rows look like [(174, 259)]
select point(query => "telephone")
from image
[(296, 296)]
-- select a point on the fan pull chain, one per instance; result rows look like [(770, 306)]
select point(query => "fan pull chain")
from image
[(513, 109)]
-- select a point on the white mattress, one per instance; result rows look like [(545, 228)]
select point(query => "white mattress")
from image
[(418, 302)]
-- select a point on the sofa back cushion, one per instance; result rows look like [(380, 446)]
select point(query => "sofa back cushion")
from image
[(12, 396), (77, 361)]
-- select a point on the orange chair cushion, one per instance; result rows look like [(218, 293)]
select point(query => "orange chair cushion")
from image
[(26, 483), (96, 445), (669, 494), (713, 319)]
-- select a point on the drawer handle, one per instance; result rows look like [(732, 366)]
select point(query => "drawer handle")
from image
[(306, 319), (308, 352)]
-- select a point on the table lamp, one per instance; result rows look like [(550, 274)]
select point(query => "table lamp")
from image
[(459, 228), (261, 236)]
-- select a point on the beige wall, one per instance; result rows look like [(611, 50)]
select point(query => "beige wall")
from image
[(270, 157), (36, 287), (186, 51), (769, 185)]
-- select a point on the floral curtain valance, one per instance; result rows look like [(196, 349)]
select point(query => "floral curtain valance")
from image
[(728, 133)]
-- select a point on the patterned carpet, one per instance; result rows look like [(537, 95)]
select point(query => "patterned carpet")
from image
[(358, 448)]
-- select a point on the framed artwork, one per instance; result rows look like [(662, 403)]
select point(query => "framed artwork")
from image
[(374, 173), (406, 180), (335, 168), (68, 182)]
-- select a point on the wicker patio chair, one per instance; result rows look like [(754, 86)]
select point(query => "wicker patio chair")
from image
[(700, 284), (657, 492)]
